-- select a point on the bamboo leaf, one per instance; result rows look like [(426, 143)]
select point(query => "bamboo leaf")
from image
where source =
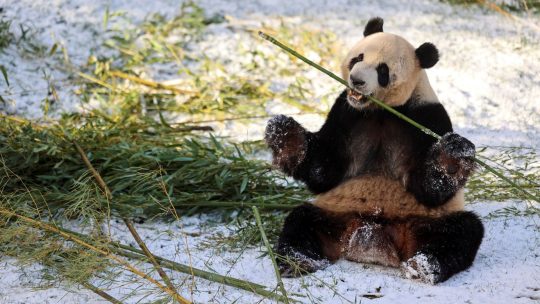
[(4, 73)]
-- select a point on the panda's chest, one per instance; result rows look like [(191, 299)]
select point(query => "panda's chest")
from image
[(379, 146)]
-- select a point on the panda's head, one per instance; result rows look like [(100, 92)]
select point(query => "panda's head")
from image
[(385, 66)]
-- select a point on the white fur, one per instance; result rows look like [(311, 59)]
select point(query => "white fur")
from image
[(407, 78)]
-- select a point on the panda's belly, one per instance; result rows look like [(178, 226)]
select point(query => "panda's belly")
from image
[(376, 195)]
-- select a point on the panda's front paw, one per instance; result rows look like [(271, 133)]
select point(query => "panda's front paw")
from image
[(457, 146), (287, 140), (455, 155)]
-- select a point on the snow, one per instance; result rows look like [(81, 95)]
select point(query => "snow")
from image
[(506, 270), (487, 79)]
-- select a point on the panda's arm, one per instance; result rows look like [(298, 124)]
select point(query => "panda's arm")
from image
[(441, 167), (326, 159), (319, 159)]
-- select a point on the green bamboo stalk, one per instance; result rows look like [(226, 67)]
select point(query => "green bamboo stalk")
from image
[(393, 111), (134, 253), (100, 293), (270, 253), (132, 230)]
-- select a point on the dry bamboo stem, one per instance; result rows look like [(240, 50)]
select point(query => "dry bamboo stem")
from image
[(74, 239), (131, 228), (150, 83), (133, 253), (100, 293)]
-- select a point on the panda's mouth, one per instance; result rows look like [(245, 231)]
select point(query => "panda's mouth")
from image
[(356, 98)]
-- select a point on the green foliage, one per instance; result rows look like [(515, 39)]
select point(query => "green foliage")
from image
[(525, 171), (147, 174), (6, 36)]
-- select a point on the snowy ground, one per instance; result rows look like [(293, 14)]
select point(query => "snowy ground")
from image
[(488, 79)]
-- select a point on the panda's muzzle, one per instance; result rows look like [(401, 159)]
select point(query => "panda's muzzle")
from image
[(356, 97)]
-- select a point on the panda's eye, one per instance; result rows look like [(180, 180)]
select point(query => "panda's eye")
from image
[(383, 74), (355, 60)]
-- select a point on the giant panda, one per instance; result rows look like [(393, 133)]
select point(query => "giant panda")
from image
[(388, 193)]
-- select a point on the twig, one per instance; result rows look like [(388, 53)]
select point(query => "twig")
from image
[(100, 293), (133, 253), (150, 83), (193, 128), (77, 240), (131, 228), (393, 111), (97, 176), (150, 256), (270, 253)]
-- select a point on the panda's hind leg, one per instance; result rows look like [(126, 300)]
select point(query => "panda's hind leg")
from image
[(442, 246), (309, 240)]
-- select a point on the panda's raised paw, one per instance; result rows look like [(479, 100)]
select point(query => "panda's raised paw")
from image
[(287, 140), (457, 146), (278, 127)]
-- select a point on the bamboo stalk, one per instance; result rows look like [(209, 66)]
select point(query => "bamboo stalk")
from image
[(131, 252), (77, 240), (95, 80), (150, 256), (391, 110), (97, 176), (270, 253), (131, 228), (100, 293), (150, 83)]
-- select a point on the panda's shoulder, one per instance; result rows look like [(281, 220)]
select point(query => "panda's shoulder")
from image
[(429, 113)]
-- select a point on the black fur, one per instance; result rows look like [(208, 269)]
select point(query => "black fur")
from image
[(327, 158), (300, 242), (383, 74), (451, 242), (374, 25), (434, 183), (355, 60), (427, 54)]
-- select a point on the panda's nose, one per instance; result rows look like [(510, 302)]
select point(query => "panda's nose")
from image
[(357, 81)]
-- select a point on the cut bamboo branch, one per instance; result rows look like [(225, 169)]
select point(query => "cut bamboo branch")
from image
[(100, 293), (270, 253), (131, 228), (133, 253), (151, 84), (85, 244), (391, 110), (149, 254)]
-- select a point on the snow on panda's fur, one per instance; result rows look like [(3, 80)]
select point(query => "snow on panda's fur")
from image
[(388, 193)]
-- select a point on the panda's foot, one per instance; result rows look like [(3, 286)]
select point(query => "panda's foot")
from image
[(297, 265), (422, 267), (287, 140)]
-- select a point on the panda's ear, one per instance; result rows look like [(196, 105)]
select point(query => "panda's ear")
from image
[(427, 54), (373, 26)]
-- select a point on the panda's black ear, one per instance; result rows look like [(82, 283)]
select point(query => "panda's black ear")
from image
[(373, 26), (427, 54)]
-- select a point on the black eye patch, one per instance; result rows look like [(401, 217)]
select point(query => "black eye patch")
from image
[(383, 74), (355, 60)]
